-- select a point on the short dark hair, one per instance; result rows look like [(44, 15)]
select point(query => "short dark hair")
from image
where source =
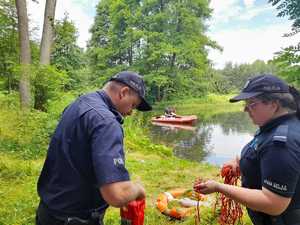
[(286, 100)]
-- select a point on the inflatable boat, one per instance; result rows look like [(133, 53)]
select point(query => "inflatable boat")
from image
[(175, 120)]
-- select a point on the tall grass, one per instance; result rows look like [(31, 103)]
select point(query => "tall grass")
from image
[(17, 190)]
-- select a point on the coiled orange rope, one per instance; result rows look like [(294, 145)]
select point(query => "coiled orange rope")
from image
[(231, 211)]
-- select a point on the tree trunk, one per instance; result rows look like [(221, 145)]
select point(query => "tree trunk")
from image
[(130, 55), (47, 37), (173, 59), (158, 98), (161, 5), (9, 82), (8, 78), (25, 54)]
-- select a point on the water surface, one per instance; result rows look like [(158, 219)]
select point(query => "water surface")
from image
[(214, 140)]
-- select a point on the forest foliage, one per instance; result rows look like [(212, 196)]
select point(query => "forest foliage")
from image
[(166, 41)]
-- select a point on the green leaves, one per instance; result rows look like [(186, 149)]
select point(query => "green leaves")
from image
[(163, 40), (288, 60), (48, 84), (288, 63), (291, 9), (9, 55), (66, 55)]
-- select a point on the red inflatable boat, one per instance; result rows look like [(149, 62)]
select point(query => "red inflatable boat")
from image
[(175, 120)]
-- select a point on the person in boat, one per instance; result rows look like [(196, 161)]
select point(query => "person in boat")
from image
[(84, 171), (170, 112), (270, 163)]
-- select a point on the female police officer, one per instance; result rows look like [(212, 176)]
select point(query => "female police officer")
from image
[(270, 163)]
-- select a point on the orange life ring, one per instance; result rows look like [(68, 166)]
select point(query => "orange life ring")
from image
[(179, 212)]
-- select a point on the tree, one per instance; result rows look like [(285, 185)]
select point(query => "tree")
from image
[(66, 54), (9, 52), (47, 36), (288, 59), (175, 47), (233, 77), (291, 9), (25, 54), (288, 63), (164, 40), (115, 36)]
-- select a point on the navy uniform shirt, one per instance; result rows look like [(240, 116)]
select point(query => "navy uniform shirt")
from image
[(272, 160), (85, 152)]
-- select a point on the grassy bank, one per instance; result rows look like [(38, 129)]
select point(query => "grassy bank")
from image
[(24, 140)]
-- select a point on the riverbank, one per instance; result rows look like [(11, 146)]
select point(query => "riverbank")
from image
[(153, 165)]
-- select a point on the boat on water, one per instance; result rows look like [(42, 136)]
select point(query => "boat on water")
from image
[(175, 120), (175, 126)]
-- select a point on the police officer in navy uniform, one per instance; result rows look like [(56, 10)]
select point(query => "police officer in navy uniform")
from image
[(270, 163), (84, 171)]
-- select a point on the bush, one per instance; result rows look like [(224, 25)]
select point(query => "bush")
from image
[(47, 85)]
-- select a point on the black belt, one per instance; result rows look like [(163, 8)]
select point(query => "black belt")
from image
[(44, 217)]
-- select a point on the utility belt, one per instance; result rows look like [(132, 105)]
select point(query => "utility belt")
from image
[(44, 217), (288, 218)]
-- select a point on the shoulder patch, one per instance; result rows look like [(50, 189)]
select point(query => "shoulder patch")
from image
[(281, 133)]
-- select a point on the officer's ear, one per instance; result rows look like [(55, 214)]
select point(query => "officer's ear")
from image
[(275, 105), (124, 91)]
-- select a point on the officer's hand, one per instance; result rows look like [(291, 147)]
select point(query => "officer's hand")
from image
[(234, 163), (141, 191), (206, 187)]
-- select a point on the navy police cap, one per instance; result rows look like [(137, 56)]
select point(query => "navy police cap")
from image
[(260, 84), (135, 82)]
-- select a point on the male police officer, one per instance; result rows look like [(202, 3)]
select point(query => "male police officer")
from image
[(84, 171)]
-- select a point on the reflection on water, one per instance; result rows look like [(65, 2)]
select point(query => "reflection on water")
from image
[(216, 140)]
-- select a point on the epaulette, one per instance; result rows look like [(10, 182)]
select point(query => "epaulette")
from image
[(280, 134)]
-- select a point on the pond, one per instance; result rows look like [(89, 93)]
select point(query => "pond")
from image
[(215, 140)]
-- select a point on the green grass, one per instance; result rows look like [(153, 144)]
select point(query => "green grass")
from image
[(158, 174), (18, 190), (22, 153)]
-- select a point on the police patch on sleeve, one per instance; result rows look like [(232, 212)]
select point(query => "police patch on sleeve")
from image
[(118, 161), (276, 186)]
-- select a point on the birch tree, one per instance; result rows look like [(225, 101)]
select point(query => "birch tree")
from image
[(25, 54), (47, 36)]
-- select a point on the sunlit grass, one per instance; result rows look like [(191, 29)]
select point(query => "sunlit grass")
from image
[(157, 173), (18, 190)]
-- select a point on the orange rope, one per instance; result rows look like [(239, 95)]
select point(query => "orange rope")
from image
[(231, 211)]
